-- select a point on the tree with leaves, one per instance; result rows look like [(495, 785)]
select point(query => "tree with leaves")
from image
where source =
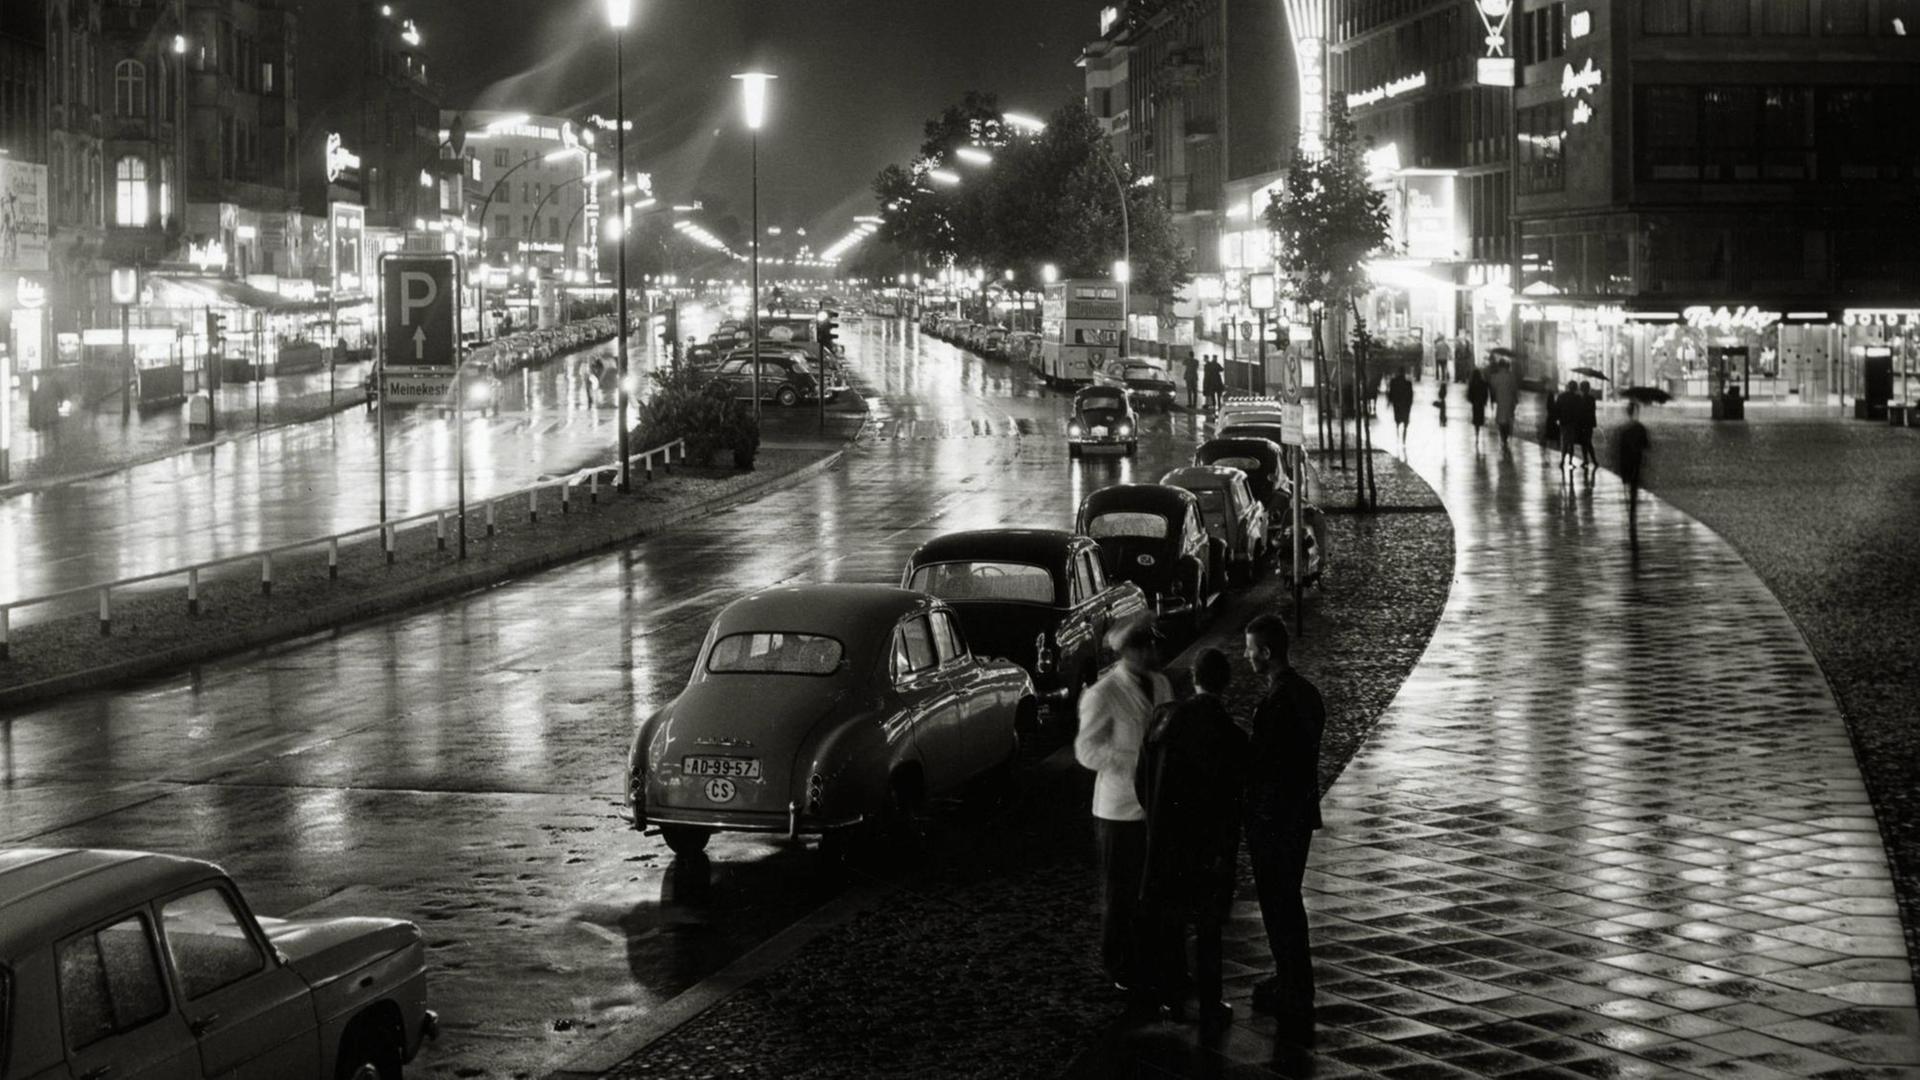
[(1326, 222)]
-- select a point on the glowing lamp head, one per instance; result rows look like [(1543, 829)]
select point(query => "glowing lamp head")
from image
[(973, 155), (753, 89), (1049, 273), (1122, 273), (944, 176), (619, 13)]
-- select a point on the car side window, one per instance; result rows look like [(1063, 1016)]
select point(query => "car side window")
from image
[(1195, 530), (947, 637), (209, 946), (110, 982), (1095, 571), (913, 650), (1083, 589), (732, 367)]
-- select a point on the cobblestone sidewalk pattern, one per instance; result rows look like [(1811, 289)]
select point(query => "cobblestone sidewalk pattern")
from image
[(1612, 826)]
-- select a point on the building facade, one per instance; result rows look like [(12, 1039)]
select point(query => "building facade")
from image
[(535, 209), (1718, 194)]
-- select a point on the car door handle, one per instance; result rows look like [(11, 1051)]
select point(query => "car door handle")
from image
[(200, 1024)]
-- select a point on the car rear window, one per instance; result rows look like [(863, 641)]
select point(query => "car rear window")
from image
[(1144, 371), (1213, 503), (1102, 400), (1128, 524), (775, 653), (1244, 464), (986, 580)]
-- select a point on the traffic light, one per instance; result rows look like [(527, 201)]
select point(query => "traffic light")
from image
[(216, 330), (828, 332)]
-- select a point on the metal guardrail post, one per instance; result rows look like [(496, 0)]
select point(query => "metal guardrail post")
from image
[(490, 517), (5, 632), (193, 591), (387, 539), (646, 460), (565, 491), (106, 612), (533, 506), (593, 487), (266, 573), (333, 558), (440, 531)]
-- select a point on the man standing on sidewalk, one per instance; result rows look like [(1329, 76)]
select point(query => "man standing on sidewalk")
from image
[(1283, 810), (1113, 722)]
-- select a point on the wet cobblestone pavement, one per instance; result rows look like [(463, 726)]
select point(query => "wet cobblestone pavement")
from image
[(1612, 826)]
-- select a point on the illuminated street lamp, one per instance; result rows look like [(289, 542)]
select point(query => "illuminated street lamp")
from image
[(619, 14), (753, 90)]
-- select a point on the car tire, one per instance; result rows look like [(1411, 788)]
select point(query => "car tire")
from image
[(685, 841), (787, 397), (996, 787), (1133, 448), (362, 1055), (898, 826)]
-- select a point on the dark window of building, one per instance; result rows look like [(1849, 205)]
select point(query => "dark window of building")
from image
[(500, 158), (1788, 17), (1545, 33), (1730, 121), (504, 225), (1843, 17), (1542, 135), (1664, 17), (1786, 131), (1669, 129), (553, 228), (1724, 16), (1852, 145)]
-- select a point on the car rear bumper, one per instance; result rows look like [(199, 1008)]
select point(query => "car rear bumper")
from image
[(791, 823)]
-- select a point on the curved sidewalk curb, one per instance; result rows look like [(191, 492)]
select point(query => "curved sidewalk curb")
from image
[(336, 615)]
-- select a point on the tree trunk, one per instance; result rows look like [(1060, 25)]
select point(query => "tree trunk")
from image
[(1366, 493)]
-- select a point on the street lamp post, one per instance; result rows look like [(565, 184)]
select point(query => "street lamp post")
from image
[(479, 303), (619, 14), (753, 86)]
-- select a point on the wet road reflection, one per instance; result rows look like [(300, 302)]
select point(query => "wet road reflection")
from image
[(461, 765)]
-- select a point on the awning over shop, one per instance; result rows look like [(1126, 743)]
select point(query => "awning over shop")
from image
[(216, 292)]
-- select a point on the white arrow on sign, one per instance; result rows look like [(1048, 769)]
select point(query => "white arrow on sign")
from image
[(420, 343)]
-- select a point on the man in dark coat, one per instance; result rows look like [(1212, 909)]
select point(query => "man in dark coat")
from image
[(1400, 396), (1632, 444), (1193, 380), (1216, 384), (1478, 391), (1191, 781), (1283, 810)]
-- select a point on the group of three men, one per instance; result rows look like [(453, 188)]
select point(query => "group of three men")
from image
[(1176, 784)]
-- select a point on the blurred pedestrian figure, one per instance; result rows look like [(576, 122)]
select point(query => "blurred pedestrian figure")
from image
[(1634, 444), (1191, 783), (1283, 810), (1589, 419), (1193, 380), (1564, 412), (1506, 399), (596, 374), (1400, 396), (1113, 720), (1477, 393), (1441, 353), (1216, 383), (1462, 358)]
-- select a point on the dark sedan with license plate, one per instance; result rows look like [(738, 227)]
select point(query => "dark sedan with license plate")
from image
[(1039, 597), (1146, 381), (1103, 419), (1155, 536), (816, 709)]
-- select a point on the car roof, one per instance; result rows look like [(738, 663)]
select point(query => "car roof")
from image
[(1241, 447), (50, 892), (1153, 498), (1012, 545), (860, 616), (1100, 392), (1211, 476)]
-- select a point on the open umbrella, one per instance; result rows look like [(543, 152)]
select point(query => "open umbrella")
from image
[(1592, 373), (1647, 395), (1503, 352)]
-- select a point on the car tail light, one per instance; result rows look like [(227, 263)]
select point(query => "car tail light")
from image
[(1043, 655), (816, 790)]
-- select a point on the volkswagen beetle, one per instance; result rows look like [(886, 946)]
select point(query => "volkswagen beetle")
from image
[(1039, 597), (813, 709), (1232, 514), (1102, 419), (1155, 536)]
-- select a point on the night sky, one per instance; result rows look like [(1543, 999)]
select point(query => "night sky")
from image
[(858, 79)]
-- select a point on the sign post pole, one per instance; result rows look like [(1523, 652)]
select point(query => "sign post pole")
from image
[(460, 409), (380, 403), (419, 309)]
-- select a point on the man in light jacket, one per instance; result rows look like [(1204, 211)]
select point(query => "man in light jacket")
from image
[(1114, 713)]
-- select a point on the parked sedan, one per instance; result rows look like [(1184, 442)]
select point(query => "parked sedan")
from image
[(1104, 420), (1155, 536), (123, 963), (1146, 381), (1038, 597), (818, 708), (783, 378), (1262, 460), (1233, 516)]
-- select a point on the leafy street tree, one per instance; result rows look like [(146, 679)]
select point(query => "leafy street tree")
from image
[(1046, 198), (1326, 222)]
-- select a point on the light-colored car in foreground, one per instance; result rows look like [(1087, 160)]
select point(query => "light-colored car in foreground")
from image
[(125, 964), (815, 709)]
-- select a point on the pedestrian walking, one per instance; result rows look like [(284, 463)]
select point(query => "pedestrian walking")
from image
[(1400, 397), (1589, 419), (1633, 444), (1216, 383), (1506, 399), (1193, 379), (1283, 810), (1441, 353), (1191, 782), (1113, 720), (1563, 417), (1477, 393), (1462, 358)]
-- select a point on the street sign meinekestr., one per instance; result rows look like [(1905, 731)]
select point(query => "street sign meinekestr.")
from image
[(420, 312)]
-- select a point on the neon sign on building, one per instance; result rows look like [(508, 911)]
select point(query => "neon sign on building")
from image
[(1307, 19)]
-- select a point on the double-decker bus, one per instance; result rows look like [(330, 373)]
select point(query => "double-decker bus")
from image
[(1080, 324)]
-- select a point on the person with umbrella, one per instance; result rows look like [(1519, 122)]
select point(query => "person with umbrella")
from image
[(1506, 394), (1400, 396), (1631, 447), (1215, 384), (1589, 417), (1477, 393)]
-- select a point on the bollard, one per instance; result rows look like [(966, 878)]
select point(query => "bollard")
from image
[(489, 517), (106, 613), (193, 591), (4, 613), (533, 507), (646, 462), (333, 557), (266, 574), (566, 489), (440, 530), (386, 540), (593, 487)]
